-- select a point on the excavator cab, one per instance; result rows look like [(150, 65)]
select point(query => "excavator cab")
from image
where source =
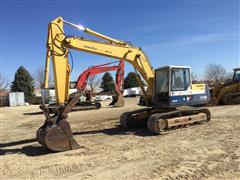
[(173, 88), (236, 75)]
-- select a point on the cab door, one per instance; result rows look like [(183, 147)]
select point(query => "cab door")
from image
[(161, 87), (180, 87)]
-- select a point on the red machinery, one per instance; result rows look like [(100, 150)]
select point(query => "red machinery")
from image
[(93, 70), (118, 100)]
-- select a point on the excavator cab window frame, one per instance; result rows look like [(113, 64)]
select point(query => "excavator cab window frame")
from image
[(166, 82), (236, 75), (185, 80), (159, 95)]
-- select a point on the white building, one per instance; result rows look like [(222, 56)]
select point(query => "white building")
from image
[(132, 92)]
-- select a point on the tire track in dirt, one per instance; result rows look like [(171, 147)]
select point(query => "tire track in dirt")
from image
[(77, 163), (201, 152), (204, 171), (83, 161)]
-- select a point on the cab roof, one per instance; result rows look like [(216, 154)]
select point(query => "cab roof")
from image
[(173, 66)]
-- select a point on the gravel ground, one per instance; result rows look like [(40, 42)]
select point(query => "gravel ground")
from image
[(208, 151)]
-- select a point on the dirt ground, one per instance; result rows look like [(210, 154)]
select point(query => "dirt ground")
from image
[(208, 151)]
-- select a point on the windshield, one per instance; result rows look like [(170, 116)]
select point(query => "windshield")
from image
[(180, 79)]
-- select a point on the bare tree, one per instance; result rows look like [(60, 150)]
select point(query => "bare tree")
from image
[(215, 73), (93, 82), (229, 76), (3, 83), (39, 78)]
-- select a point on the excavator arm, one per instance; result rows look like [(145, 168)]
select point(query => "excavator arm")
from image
[(118, 100), (93, 70), (56, 133), (58, 46)]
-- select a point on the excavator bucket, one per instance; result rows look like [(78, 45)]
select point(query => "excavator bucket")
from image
[(56, 134), (57, 138), (118, 101)]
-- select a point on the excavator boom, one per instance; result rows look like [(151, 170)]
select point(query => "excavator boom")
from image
[(59, 44), (168, 87)]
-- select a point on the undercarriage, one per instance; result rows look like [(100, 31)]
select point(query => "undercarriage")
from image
[(160, 121)]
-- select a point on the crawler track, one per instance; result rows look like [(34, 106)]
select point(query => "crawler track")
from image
[(160, 122), (135, 118)]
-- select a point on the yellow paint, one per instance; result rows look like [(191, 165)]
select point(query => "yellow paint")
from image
[(221, 91), (46, 76), (59, 60), (198, 87), (133, 55), (59, 45), (94, 33)]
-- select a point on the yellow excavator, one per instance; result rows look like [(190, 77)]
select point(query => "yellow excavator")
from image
[(169, 95), (229, 92)]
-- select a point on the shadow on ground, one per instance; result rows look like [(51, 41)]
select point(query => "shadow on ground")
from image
[(118, 130), (25, 141), (31, 150), (27, 150), (33, 113)]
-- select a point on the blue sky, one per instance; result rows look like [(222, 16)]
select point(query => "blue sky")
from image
[(189, 32)]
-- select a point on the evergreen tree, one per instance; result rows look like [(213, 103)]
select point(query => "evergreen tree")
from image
[(107, 83), (23, 82), (131, 80)]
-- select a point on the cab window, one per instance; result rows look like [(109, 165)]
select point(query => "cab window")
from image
[(161, 82), (236, 76), (180, 79)]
